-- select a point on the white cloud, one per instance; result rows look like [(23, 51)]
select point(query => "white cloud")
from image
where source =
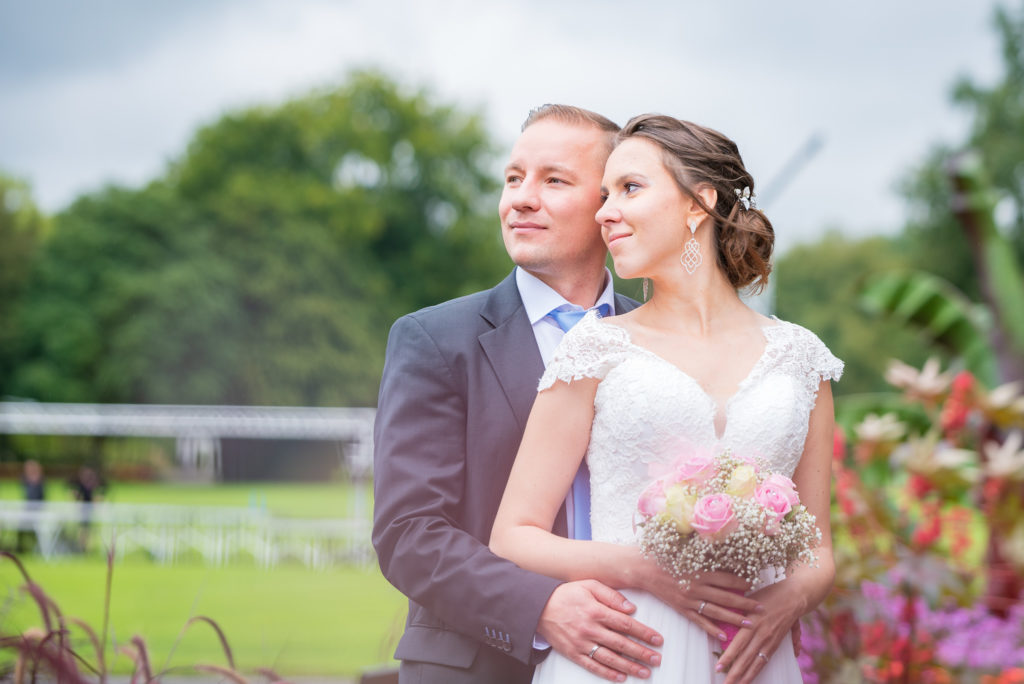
[(872, 78)]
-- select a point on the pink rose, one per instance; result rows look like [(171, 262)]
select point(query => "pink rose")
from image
[(713, 516), (785, 486), (696, 468), (652, 500), (777, 495)]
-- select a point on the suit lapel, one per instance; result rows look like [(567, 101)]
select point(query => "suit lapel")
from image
[(511, 348)]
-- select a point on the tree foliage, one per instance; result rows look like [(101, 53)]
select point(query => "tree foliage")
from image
[(266, 265), (937, 242), (818, 286), (22, 229)]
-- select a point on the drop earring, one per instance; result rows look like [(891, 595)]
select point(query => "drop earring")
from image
[(691, 258), (647, 285)]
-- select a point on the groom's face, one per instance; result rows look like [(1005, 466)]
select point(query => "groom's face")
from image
[(552, 192)]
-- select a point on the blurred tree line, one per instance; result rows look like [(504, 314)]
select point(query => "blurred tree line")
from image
[(267, 263), (264, 267)]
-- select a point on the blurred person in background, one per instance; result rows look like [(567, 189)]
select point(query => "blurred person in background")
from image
[(33, 486)]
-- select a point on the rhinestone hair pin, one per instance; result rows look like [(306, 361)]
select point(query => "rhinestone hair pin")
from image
[(747, 198)]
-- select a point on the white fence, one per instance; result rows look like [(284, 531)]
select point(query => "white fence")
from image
[(212, 534)]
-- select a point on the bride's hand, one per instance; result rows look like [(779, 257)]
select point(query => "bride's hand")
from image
[(753, 647), (712, 596)]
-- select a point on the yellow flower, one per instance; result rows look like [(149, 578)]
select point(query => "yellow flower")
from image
[(743, 482), (679, 505)]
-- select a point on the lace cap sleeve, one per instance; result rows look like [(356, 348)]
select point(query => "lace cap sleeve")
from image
[(589, 350), (821, 362)]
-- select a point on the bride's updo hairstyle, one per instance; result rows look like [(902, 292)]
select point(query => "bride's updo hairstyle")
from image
[(696, 156)]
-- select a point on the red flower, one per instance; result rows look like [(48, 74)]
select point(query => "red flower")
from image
[(958, 406), (875, 637), (963, 383), (930, 529), (919, 485)]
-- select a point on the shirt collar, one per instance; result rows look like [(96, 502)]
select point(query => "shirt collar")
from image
[(539, 299)]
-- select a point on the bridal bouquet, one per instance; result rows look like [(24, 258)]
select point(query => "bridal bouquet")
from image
[(724, 513)]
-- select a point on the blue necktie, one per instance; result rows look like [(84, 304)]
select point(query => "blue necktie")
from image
[(580, 483), (567, 319)]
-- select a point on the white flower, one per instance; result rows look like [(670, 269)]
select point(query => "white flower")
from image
[(875, 428), (1006, 460), (938, 461), (927, 384)]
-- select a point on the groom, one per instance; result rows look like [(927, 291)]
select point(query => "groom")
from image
[(458, 383)]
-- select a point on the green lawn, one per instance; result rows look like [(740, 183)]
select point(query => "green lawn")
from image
[(300, 622), (296, 621)]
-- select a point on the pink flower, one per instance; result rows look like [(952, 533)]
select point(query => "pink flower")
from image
[(652, 500), (696, 468), (777, 495), (785, 486), (713, 516)]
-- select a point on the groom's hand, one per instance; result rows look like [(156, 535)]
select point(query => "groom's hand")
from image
[(581, 615)]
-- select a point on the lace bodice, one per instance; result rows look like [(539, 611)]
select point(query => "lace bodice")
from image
[(647, 411)]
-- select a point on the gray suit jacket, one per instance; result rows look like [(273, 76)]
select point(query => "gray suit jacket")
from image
[(459, 381)]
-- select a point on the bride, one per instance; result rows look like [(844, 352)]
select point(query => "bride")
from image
[(692, 369)]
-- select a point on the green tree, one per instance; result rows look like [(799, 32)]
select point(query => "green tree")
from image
[(128, 303), (818, 286), (22, 229), (267, 264)]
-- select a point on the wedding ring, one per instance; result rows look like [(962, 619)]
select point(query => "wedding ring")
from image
[(700, 611), (762, 655), (594, 650)]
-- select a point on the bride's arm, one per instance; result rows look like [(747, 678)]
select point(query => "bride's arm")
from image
[(555, 441), (805, 586)]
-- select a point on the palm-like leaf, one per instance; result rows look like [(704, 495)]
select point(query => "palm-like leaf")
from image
[(940, 311)]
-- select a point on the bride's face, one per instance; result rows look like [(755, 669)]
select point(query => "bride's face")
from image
[(643, 219)]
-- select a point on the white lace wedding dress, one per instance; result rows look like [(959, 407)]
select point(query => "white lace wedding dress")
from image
[(647, 412)]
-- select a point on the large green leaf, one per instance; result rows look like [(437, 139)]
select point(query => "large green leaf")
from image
[(938, 310)]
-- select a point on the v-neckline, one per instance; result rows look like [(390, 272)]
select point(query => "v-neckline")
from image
[(740, 386)]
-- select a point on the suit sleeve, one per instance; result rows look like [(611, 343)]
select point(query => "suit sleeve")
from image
[(419, 477)]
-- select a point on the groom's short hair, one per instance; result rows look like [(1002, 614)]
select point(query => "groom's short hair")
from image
[(569, 114)]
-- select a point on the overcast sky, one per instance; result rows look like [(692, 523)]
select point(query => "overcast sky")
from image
[(109, 91)]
